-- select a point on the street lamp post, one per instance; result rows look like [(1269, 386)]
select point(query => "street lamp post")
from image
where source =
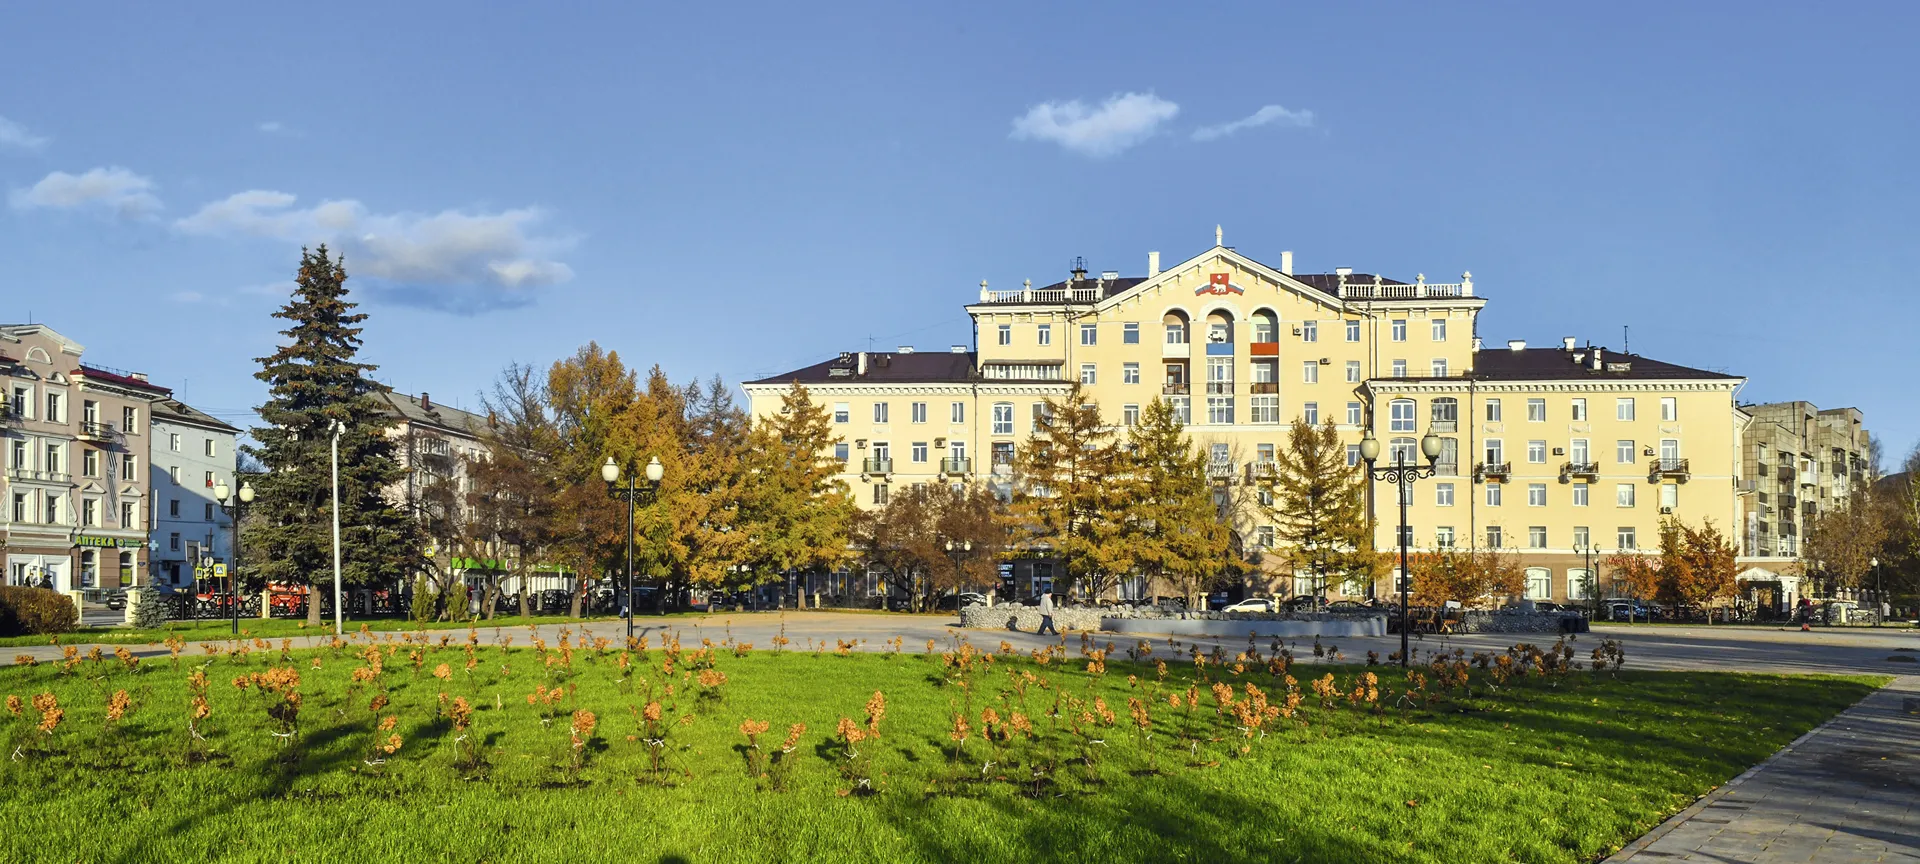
[(234, 506), (1879, 591), (956, 551), (1593, 581), (632, 495), (1402, 474)]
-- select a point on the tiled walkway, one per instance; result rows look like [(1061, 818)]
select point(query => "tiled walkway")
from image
[(1849, 791)]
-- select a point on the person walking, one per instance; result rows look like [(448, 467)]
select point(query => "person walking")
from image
[(1046, 616)]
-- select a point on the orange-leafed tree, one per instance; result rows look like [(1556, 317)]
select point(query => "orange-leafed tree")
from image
[(1468, 576), (1696, 564), (1636, 572)]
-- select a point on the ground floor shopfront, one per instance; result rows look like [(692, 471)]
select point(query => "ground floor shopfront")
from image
[(83, 562)]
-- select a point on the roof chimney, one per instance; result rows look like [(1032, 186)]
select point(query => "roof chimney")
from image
[(906, 349), (1516, 344), (1476, 344), (139, 376), (1597, 364), (957, 349), (426, 401), (1343, 271), (860, 365), (1286, 263), (1566, 343), (1153, 264)]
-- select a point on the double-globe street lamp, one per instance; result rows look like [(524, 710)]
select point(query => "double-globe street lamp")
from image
[(632, 495), (1401, 474), (234, 506)]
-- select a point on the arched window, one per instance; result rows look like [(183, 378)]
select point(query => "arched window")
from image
[(1266, 327), (1444, 410), (1539, 583), (1402, 416), (1402, 451), (1176, 324)]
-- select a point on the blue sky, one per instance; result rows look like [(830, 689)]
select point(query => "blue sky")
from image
[(741, 191)]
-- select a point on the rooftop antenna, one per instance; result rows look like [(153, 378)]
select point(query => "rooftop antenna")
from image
[(1626, 344)]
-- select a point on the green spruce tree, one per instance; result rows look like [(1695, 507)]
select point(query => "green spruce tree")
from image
[(312, 382), (1064, 499), (1318, 508), (1172, 531)]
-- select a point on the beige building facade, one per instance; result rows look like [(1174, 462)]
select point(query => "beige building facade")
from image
[(1243, 349)]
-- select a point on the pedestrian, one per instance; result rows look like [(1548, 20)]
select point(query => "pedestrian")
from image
[(1046, 616)]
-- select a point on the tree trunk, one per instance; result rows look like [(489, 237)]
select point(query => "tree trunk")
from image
[(523, 575), (491, 597), (579, 588), (313, 604)]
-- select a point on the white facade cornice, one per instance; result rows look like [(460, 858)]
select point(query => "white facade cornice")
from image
[(1463, 385), (882, 388)]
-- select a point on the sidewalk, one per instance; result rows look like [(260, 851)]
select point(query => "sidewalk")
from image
[(1849, 791)]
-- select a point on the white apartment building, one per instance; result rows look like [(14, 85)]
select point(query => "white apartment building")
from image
[(191, 454)]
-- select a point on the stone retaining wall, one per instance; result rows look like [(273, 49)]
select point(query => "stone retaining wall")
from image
[(1027, 618), (1125, 619), (1476, 621)]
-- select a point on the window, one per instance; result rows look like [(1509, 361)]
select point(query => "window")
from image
[(1176, 333), (1402, 418), (1669, 496), (20, 513), (1448, 465), (1130, 415), (90, 463), (1129, 373), (957, 451), (53, 509), (1623, 451), (209, 479), (1537, 452), (23, 401), (1577, 451), (840, 412), (1087, 374), (1493, 410), (89, 411), (1310, 412), (1494, 536), (882, 454), (1581, 537), (1577, 587), (1399, 368), (1219, 454), (1353, 331), (1495, 452), (1219, 332), (20, 459), (1579, 410), (1310, 372), (1443, 494), (173, 441), (1439, 367), (1182, 410), (1353, 413), (1045, 334), (918, 410), (1402, 451), (1353, 454), (880, 494), (1536, 410), (1624, 538), (1536, 536), (1220, 410), (127, 464), (1623, 408), (1623, 495), (1089, 334), (919, 451), (1003, 418), (1309, 331), (1399, 329), (1353, 371), (173, 542), (173, 508), (1669, 453), (1494, 493), (1580, 494), (130, 420), (1263, 536), (840, 452), (53, 461), (89, 511), (1539, 583), (1443, 537), (1439, 329), (207, 515), (879, 412), (1669, 410), (56, 408), (128, 514), (1405, 537), (1130, 333), (1444, 410), (1005, 334), (1039, 416), (1536, 494)]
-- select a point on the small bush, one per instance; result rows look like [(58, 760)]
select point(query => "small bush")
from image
[(33, 611), (149, 607)]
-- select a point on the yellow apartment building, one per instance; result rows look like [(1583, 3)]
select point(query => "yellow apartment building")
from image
[(1242, 349)]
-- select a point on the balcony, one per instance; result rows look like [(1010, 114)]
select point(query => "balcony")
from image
[(37, 475), (1787, 502), (1219, 388), (1786, 474), (1445, 427), (93, 430), (1261, 469), (1421, 289), (1493, 471), (1809, 509), (7, 413), (1260, 388), (1264, 349), (1220, 471), (1589, 470), (952, 467), (1176, 349), (1668, 467), (876, 466), (1173, 388)]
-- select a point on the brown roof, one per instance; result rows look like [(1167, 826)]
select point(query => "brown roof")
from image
[(123, 380), (886, 367), (1558, 364)]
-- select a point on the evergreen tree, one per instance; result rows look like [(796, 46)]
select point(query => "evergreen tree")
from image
[(1172, 530), (312, 382), (796, 511), (711, 495), (1064, 494), (1318, 509)]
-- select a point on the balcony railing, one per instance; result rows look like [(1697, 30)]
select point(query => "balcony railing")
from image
[(1419, 290), (1260, 469), (1264, 387), (1580, 469), (1493, 471), (7, 414), (37, 474), (1668, 467), (1220, 470), (94, 430), (962, 465), (1090, 293), (1172, 389), (876, 466), (1445, 426), (1219, 388)]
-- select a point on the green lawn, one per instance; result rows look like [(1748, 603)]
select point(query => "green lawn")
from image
[(1561, 768), (269, 628)]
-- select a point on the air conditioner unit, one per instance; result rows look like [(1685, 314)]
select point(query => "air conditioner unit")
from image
[(1666, 511), (1296, 331), (939, 443), (1559, 451), (1326, 361), (1648, 451), (859, 443)]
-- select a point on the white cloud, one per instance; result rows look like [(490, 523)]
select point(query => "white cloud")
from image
[(275, 127), (128, 194), (454, 261), (15, 135), (1120, 122), (186, 297), (1266, 115)]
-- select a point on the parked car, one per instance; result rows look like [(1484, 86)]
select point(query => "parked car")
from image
[(1251, 604), (953, 602), (116, 600), (1348, 606), (1303, 603)]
